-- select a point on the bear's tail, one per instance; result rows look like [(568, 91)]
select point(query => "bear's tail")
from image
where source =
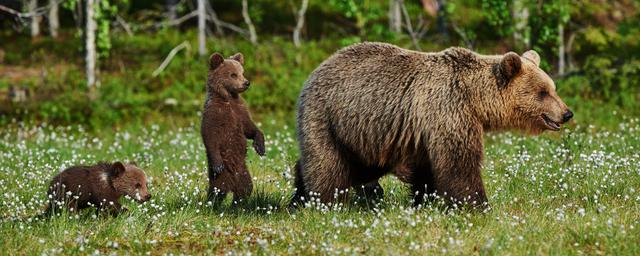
[(301, 191)]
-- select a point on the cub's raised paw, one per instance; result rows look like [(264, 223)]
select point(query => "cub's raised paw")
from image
[(259, 147)]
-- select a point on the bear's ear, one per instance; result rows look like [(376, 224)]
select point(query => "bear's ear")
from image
[(238, 57), (215, 60), (117, 169), (532, 56), (508, 68)]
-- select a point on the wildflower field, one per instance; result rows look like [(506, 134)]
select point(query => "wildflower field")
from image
[(572, 192)]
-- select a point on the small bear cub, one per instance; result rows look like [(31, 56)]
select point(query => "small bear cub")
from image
[(99, 186), (226, 126)]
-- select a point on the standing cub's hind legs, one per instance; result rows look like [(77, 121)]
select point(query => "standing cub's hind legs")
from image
[(300, 195)]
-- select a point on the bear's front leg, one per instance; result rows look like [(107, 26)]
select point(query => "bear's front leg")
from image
[(258, 142), (214, 163), (112, 208), (251, 131), (457, 163)]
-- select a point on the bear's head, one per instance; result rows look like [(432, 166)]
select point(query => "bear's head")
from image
[(226, 76), (529, 94), (129, 180)]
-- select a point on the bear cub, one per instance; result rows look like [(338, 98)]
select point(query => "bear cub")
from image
[(99, 186), (226, 126)]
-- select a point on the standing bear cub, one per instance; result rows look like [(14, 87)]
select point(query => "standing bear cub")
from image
[(374, 108), (226, 126), (100, 186)]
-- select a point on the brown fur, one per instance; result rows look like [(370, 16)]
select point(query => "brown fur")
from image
[(100, 186), (226, 126), (374, 108)]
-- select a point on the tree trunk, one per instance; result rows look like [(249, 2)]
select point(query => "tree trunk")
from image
[(202, 26), (395, 16), (300, 24), (214, 17), (408, 25), (561, 55), (442, 18), (91, 43), (520, 14), (54, 22), (253, 37), (172, 9), (35, 20)]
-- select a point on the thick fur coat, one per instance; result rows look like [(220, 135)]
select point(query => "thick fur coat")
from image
[(99, 186), (226, 126), (374, 108)]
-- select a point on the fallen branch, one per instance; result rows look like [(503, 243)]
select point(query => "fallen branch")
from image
[(169, 57), (124, 25), (214, 17), (253, 37), (300, 23), (230, 26), (407, 20), (177, 21), (35, 13)]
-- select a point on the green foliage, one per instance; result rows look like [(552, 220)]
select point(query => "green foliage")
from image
[(498, 14), (544, 21), (104, 14), (602, 53), (364, 12)]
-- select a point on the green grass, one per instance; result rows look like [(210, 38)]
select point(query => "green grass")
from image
[(572, 192)]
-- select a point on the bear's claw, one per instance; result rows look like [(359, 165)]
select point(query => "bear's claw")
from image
[(259, 147)]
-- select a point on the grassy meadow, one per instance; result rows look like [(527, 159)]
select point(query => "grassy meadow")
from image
[(571, 192)]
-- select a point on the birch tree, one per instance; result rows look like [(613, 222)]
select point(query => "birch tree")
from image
[(300, 23), (521, 31), (395, 15), (35, 20), (202, 27), (54, 22), (90, 43), (172, 9), (253, 37)]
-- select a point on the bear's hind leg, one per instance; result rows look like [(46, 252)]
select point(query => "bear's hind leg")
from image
[(242, 186), (421, 184), (301, 191), (326, 171), (218, 187)]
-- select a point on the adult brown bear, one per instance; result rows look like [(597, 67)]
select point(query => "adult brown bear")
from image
[(374, 108)]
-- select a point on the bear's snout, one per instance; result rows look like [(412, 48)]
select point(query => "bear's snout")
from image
[(144, 198), (246, 84), (567, 116)]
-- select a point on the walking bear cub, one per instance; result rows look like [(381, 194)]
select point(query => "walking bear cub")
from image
[(374, 108), (226, 126), (100, 186)]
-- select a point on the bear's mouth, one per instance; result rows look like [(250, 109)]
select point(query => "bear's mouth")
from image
[(552, 125)]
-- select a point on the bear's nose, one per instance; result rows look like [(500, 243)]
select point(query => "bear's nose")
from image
[(567, 116), (246, 83), (146, 198)]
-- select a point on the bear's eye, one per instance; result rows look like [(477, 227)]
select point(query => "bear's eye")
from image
[(543, 94), (234, 75), (138, 185)]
